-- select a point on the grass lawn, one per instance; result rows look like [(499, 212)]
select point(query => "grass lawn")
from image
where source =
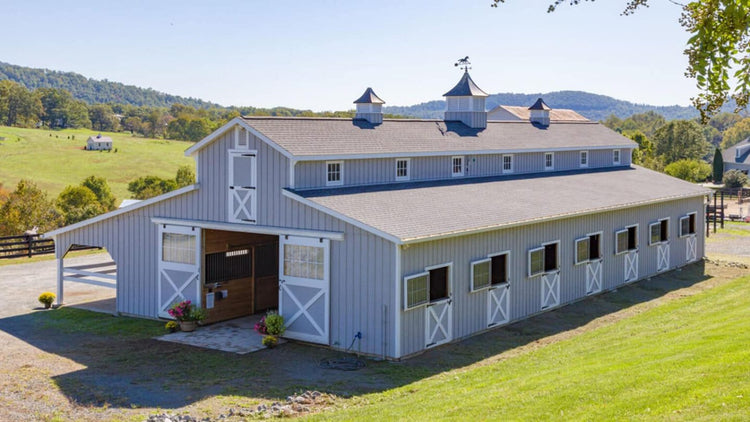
[(688, 359), (55, 161)]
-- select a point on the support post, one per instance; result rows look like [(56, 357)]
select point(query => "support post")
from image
[(60, 281), (722, 209), (716, 210)]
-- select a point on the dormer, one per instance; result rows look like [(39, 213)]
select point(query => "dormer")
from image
[(539, 113), (740, 150), (465, 103), (369, 107)]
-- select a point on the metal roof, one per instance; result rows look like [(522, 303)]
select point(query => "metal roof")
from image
[(539, 105), (369, 97), (313, 138), (419, 211), (466, 87)]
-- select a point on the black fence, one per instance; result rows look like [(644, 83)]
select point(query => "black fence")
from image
[(31, 245)]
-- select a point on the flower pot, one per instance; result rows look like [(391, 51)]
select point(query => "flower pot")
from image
[(188, 326)]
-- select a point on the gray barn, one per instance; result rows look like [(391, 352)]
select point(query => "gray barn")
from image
[(413, 233)]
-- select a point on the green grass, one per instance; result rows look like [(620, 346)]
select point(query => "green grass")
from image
[(79, 321), (54, 162), (688, 359)]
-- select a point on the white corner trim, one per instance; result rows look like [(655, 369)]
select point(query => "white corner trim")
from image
[(340, 216), (120, 211), (397, 305), (245, 228)]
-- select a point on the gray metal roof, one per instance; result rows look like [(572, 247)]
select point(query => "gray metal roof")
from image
[(539, 105), (730, 154), (369, 97), (311, 137), (466, 87), (419, 211)]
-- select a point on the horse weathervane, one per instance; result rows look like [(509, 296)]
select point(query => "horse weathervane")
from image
[(463, 64)]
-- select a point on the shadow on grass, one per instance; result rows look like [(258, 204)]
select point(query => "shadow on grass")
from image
[(126, 367)]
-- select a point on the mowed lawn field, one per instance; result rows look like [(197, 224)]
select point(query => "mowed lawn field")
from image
[(56, 161)]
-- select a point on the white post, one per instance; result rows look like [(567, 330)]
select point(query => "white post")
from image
[(60, 270)]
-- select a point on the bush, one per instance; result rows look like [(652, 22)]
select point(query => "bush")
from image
[(735, 179), (690, 170), (275, 324), (46, 299), (270, 341)]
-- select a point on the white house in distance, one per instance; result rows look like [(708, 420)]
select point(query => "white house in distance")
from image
[(414, 233), (99, 143)]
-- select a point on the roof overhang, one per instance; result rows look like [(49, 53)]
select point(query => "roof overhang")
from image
[(248, 228)]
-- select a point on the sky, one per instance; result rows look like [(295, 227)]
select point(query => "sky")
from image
[(321, 55)]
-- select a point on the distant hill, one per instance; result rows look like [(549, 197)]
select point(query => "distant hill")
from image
[(94, 91), (592, 106)]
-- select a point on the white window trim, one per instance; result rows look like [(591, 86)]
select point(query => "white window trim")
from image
[(450, 276), (552, 167), (658, 223), (489, 259), (502, 163), (687, 217), (576, 242), (619, 156), (601, 244), (341, 173), (507, 266), (473, 288), (406, 291), (542, 247), (625, 229), (408, 169), (254, 185), (528, 262), (463, 163), (238, 138), (580, 159)]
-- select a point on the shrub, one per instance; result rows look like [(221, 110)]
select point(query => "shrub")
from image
[(690, 170), (172, 326), (270, 341), (275, 324), (46, 299), (735, 179)]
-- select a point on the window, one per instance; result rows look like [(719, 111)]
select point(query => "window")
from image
[(658, 232), (543, 259), (334, 173), (489, 271), (304, 261), (549, 161), (416, 290), (179, 248), (438, 283), (402, 169), (229, 265), (626, 240), (616, 156), (687, 225), (508, 163), (588, 248), (458, 166), (584, 159)]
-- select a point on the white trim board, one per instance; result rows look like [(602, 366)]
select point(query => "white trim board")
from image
[(242, 123), (246, 228), (119, 211)]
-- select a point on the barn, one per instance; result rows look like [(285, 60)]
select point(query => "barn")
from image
[(413, 233)]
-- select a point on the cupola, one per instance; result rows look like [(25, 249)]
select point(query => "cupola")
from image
[(369, 107), (466, 101), (539, 113)]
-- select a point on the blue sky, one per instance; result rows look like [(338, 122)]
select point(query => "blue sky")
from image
[(321, 55)]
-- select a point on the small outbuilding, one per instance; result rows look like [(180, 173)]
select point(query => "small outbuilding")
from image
[(99, 143)]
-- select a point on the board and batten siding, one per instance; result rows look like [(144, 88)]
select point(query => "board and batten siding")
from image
[(359, 172), (470, 308), (362, 266)]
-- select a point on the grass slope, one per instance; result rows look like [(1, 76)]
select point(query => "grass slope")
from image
[(54, 162), (687, 359)]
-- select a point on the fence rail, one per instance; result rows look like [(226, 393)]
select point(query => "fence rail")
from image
[(31, 245)]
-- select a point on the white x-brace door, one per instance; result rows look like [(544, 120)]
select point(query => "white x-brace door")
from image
[(662, 257), (550, 289), (498, 302), (179, 273), (691, 248), (439, 326), (593, 276), (631, 266), (304, 288)]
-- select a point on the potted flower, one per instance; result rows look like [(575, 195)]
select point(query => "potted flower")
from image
[(187, 314), (46, 299), (274, 327)]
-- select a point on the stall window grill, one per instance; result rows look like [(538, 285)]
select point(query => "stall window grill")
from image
[(229, 265)]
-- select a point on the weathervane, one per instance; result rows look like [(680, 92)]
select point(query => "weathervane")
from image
[(463, 64)]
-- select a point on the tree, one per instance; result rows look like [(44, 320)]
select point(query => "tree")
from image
[(103, 118), (100, 188), (718, 166), (724, 121), (185, 176), (735, 179), (18, 105), (76, 115), (149, 186), (25, 208), (55, 103), (737, 133), (644, 154), (78, 203), (717, 50), (680, 139), (691, 170)]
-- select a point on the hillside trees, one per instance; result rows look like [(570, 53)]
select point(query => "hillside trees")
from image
[(25, 208), (78, 203), (61, 110), (100, 188), (738, 132), (691, 170), (680, 139), (18, 106), (103, 118)]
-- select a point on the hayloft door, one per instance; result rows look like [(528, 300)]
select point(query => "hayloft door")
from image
[(242, 187), (179, 266), (304, 283)]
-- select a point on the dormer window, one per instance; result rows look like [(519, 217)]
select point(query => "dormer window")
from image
[(402, 169), (549, 160), (458, 166), (616, 156), (334, 173), (584, 159)]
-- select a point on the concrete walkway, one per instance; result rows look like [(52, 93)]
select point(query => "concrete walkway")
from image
[(21, 284), (236, 336)]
